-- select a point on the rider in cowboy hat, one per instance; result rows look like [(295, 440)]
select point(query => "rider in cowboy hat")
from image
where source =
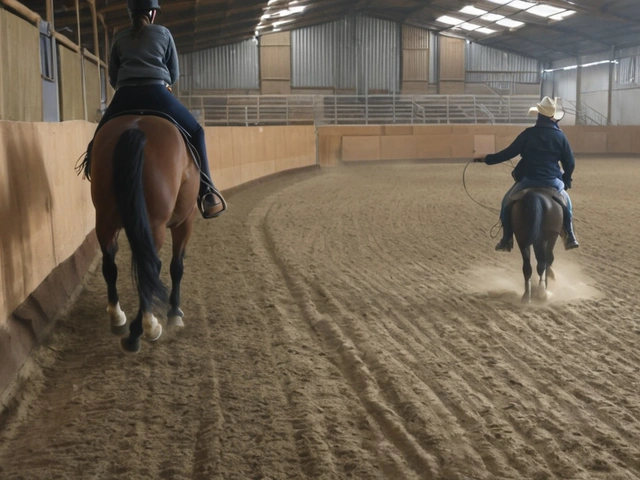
[(142, 65), (541, 147)]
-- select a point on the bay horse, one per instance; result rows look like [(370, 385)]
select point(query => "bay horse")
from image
[(143, 180), (536, 218)]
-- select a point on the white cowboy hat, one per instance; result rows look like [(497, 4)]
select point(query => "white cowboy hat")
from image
[(548, 108)]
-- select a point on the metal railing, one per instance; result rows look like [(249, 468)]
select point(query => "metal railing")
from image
[(212, 110), (585, 115)]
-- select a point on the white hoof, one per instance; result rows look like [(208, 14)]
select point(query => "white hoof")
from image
[(152, 329), (175, 321), (117, 316)]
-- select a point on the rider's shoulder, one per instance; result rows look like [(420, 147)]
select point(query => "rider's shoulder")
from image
[(160, 29)]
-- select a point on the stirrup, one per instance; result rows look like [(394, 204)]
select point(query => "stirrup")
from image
[(211, 197), (571, 243), (505, 245)]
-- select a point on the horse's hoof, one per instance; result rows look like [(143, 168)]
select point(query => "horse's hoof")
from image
[(130, 346), (526, 298), (175, 321), (119, 330), (154, 334)]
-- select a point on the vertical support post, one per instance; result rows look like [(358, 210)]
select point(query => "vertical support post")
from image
[(448, 112), (96, 44), (94, 20), (81, 57), (49, 13), (612, 57), (366, 108), (579, 90)]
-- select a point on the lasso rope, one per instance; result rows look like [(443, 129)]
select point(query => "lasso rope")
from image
[(493, 233)]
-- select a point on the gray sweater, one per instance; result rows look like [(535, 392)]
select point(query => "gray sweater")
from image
[(149, 59)]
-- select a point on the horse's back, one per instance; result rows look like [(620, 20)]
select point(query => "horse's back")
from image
[(170, 177)]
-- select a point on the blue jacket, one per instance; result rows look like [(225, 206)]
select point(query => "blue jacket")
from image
[(149, 59), (541, 148)]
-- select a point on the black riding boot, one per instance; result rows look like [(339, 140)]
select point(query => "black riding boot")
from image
[(210, 200), (506, 243), (570, 241)]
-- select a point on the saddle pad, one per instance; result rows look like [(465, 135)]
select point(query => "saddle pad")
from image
[(552, 192)]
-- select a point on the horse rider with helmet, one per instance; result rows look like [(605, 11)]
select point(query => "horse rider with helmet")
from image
[(143, 64), (541, 147)]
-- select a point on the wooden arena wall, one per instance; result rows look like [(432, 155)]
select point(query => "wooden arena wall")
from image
[(418, 142), (47, 242)]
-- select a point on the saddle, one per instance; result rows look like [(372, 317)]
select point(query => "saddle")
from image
[(156, 113), (85, 165), (552, 192)]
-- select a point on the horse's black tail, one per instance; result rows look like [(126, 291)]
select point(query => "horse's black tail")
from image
[(128, 159), (534, 212)]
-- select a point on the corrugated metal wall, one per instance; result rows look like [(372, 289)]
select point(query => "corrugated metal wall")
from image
[(480, 58), (313, 59), (227, 67), (379, 44), (359, 53), (625, 98)]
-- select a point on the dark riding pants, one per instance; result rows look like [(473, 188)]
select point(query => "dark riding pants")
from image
[(157, 97)]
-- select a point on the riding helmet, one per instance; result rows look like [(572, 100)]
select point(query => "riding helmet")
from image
[(142, 5)]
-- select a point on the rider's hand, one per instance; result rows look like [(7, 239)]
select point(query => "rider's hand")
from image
[(479, 159)]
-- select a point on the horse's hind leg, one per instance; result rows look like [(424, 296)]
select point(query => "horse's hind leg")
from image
[(180, 236), (542, 269), (108, 239), (527, 271)]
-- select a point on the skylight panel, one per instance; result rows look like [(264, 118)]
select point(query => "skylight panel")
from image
[(492, 17), (519, 4), (471, 10), (545, 10), (563, 15), (501, 2), (469, 26), (449, 20), (507, 22), (485, 30)]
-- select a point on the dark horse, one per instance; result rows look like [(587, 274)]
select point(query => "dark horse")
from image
[(145, 181), (537, 221)]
